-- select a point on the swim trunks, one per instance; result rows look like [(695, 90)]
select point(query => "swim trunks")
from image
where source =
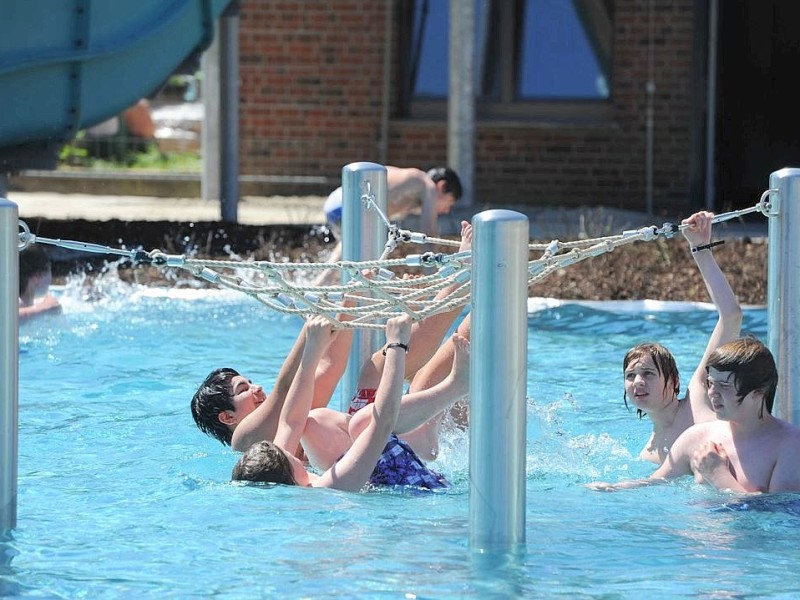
[(333, 207), (399, 465), (361, 399)]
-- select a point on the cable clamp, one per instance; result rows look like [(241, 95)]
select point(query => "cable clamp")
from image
[(669, 230)]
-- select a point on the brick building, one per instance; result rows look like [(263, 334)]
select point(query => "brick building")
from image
[(326, 83)]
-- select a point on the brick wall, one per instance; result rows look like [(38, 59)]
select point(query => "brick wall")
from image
[(312, 84)]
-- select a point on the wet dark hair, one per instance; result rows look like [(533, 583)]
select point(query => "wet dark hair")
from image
[(33, 261), (264, 462), (214, 396), (452, 183), (752, 365), (662, 359)]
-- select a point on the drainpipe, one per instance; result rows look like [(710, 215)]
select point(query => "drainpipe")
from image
[(711, 101), (383, 151)]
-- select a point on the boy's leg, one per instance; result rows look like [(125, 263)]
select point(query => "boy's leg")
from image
[(426, 335), (439, 365), (419, 408), (425, 438)]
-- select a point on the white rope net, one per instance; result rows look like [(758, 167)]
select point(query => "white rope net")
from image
[(373, 291)]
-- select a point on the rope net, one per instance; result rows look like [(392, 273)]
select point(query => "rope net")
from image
[(372, 291)]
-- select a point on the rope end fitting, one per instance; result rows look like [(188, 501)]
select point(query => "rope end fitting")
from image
[(764, 205), (430, 259), (669, 230), (26, 238), (209, 275)]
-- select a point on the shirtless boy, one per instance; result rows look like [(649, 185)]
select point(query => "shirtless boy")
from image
[(745, 449)]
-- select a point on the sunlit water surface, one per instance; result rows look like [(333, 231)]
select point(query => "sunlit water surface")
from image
[(120, 495)]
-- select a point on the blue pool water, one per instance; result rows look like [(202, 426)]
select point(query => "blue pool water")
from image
[(121, 496)]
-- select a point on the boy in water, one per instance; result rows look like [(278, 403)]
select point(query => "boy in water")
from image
[(35, 277), (745, 449), (230, 408), (652, 382), (372, 451), (409, 191)]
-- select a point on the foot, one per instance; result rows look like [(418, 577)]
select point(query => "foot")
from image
[(466, 237)]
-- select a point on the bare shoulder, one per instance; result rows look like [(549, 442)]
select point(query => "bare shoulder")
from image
[(708, 427), (700, 432), (785, 475), (788, 433), (403, 170), (397, 176)]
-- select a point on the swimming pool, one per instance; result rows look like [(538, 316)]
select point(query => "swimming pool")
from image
[(121, 496)]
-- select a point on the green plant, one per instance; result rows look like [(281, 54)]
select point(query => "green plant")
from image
[(78, 154)]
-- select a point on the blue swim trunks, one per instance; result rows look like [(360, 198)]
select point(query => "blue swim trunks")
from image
[(399, 465), (333, 207)]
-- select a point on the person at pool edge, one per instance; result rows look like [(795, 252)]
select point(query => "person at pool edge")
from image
[(409, 191), (35, 277), (374, 453), (745, 449), (238, 413), (652, 382)]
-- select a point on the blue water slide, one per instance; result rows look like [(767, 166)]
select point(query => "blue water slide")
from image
[(69, 64)]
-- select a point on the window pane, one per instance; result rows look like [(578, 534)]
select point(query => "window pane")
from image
[(432, 22), (557, 59), (551, 57)]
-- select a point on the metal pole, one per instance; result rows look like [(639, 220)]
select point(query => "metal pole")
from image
[(498, 380), (9, 361), (220, 178), (783, 300), (363, 238), (229, 103), (212, 123), (711, 100), (650, 89), (461, 99), (386, 89)]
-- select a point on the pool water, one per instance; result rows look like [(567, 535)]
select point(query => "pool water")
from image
[(121, 496)]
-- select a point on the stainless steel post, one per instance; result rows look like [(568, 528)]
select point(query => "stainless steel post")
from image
[(498, 380), (783, 300), (363, 238), (9, 361)]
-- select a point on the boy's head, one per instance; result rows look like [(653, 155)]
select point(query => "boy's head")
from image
[(752, 365), (652, 353), (264, 462), (452, 183), (35, 268), (214, 396)]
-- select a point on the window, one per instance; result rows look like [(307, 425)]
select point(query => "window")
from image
[(533, 58)]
